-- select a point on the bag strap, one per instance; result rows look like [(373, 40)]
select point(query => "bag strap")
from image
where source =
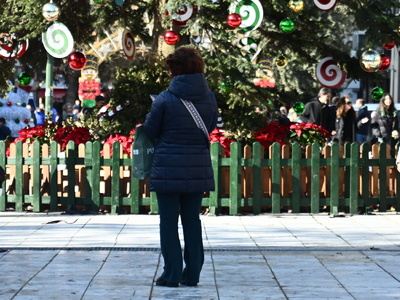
[(197, 118)]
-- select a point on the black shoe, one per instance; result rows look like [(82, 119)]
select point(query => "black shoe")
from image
[(189, 283), (161, 282)]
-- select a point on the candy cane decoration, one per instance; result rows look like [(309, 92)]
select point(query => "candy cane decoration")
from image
[(128, 44), (252, 13), (106, 112), (6, 49), (325, 4), (58, 40), (329, 74), (183, 14)]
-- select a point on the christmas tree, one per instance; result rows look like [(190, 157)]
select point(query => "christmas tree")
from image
[(258, 53)]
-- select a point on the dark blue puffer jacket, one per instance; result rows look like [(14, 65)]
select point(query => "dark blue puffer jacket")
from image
[(182, 162)]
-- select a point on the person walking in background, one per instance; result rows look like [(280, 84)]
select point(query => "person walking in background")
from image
[(363, 121), (181, 170), (68, 113), (318, 112), (40, 117), (385, 123), (5, 132), (345, 121)]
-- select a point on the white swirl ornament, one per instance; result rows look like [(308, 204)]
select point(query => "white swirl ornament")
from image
[(58, 40), (325, 4), (251, 11), (329, 74)]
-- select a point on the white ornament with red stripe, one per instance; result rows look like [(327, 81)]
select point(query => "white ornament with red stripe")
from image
[(6, 46), (182, 14), (325, 4), (329, 74), (128, 44)]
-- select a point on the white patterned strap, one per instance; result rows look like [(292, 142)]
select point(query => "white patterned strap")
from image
[(196, 117)]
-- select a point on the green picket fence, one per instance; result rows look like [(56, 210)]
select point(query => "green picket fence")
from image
[(251, 180)]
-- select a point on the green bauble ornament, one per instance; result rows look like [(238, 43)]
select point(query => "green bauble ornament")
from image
[(377, 93), (286, 25), (298, 107), (226, 86), (24, 79)]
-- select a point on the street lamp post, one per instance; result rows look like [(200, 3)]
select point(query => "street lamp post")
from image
[(49, 85)]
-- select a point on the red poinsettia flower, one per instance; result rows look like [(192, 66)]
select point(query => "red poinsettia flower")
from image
[(273, 132), (217, 136), (76, 134), (31, 133), (125, 141)]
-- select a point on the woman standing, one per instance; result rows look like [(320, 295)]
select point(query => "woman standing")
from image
[(385, 122), (181, 170), (345, 121)]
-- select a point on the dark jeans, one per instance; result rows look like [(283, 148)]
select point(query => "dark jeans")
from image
[(188, 206), (361, 138)]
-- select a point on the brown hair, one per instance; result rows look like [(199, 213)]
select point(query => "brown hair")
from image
[(185, 60), (340, 105)]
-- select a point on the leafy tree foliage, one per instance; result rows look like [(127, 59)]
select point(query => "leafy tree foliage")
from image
[(317, 34)]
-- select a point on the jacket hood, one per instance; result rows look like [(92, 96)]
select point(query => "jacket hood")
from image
[(190, 87)]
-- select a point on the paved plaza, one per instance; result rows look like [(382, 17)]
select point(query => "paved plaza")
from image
[(286, 256)]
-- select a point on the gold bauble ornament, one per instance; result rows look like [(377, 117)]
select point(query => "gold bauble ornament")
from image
[(281, 61), (296, 5), (50, 11), (370, 61)]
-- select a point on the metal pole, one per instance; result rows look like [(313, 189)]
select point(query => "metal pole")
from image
[(49, 85), (394, 74)]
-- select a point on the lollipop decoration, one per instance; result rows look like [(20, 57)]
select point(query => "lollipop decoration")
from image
[(248, 46), (128, 44), (183, 14), (58, 40), (251, 12), (7, 41), (329, 74), (325, 4)]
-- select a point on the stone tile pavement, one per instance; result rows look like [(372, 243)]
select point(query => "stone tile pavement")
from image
[(286, 256)]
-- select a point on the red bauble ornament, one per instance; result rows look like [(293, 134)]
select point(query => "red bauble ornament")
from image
[(76, 60), (385, 62), (171, 37), (9, 103), (389, 46), (234, 20), (27, 121)]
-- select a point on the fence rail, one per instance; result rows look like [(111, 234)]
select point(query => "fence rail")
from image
[(251, 180)]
